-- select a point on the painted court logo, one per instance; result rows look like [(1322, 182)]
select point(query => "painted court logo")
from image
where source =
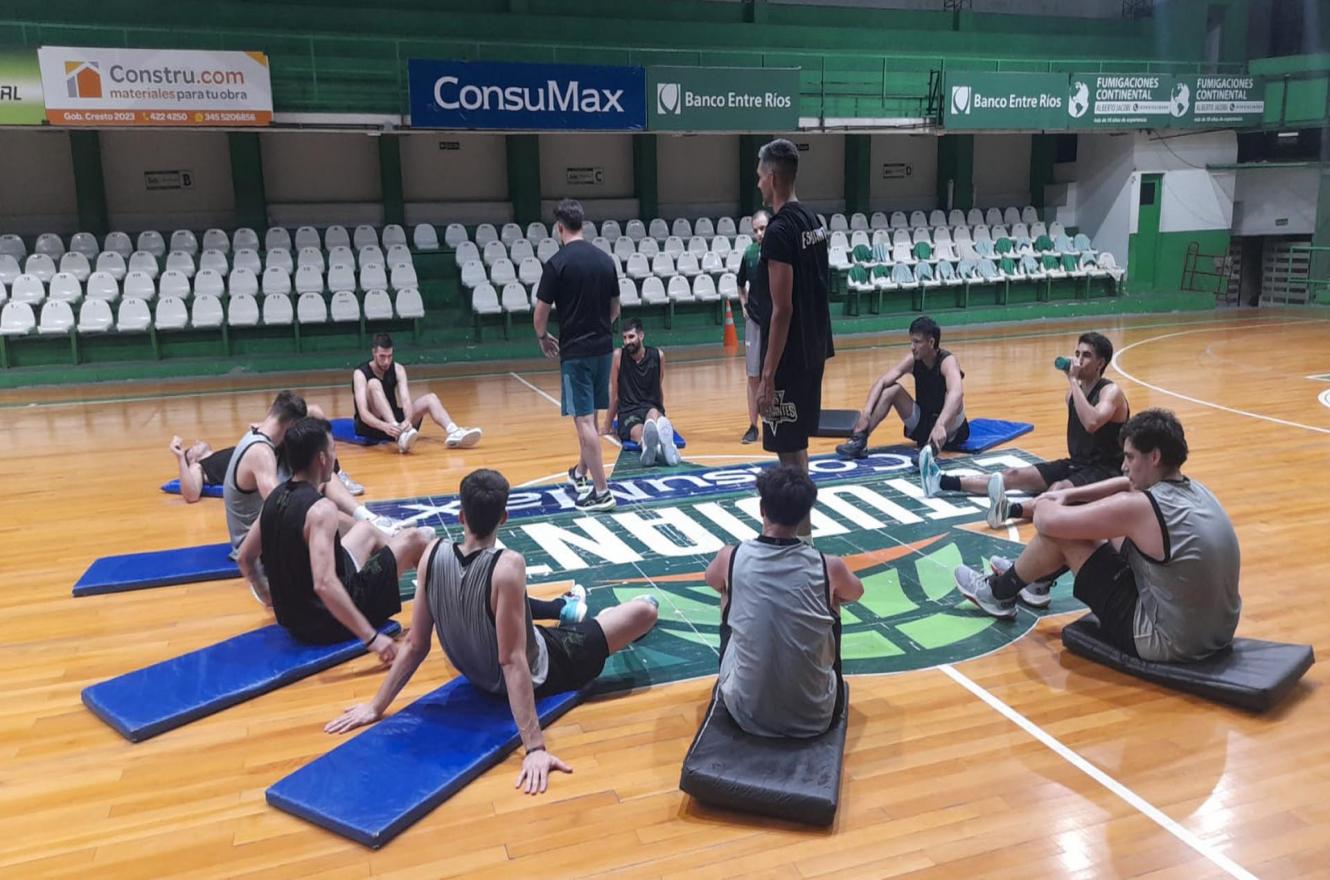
[(669, 525), (669, 99), (961, 100), (83, 79)]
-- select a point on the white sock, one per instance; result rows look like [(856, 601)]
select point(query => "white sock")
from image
[(452, 426), (362, 513)]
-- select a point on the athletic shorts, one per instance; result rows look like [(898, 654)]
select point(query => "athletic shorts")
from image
[(1107, 585), (919, 427), (586, 384), (798, 409), (753, 348), (577, 654), (364, 430), (1075, 473), (630, 420), (372, 588)]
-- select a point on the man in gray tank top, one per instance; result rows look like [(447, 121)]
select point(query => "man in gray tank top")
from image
[(780, 617), (1154, 553), (474, 595)]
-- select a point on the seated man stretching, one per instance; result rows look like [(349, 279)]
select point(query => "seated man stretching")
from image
[(1096, 411), (325, 588), (780, 617), (384, 409), (1154, 553), (637, 396), (474, 595), (934, 419)]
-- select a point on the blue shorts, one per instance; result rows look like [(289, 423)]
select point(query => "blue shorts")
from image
[(586, 384)]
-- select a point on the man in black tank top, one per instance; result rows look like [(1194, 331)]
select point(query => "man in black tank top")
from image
[(934, 418), (199, 466), (1096, 411), (324, 586), (384, 409), (637, 397), (483, 618)]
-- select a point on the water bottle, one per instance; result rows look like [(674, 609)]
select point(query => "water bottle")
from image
[(1062, 364)]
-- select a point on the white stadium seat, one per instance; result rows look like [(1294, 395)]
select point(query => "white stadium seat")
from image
[(95, 316)]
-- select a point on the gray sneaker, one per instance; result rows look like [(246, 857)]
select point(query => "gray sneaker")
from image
[(997, 502), (1037, 594), (650, 444), (593, 502), (978, 588), (668, 450)]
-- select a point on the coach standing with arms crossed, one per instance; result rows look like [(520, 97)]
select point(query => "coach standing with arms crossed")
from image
[(797, 341), (582, 283)]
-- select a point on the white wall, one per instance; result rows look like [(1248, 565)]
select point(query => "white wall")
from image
[(1099, 198), (610, 196), (321, 178), (698, 175), (1001, 170), (130, 205), (468, 184), (821, 182), (37, 192), (918, 190), (1276, 201)]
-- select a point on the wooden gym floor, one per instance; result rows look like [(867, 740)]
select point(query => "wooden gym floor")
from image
[(1023, 763)]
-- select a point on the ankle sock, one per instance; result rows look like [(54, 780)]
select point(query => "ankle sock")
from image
[(949, 483), (1007, 584), (1015, 511), (545, 609)]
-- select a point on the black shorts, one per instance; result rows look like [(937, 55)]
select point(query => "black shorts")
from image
[(364, 430), (577, 654), (373, 590), (1107, 584), (924, 430), (1074, 472), (798, 410), (630, 420)]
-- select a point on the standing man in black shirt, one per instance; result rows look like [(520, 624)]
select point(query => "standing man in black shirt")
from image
[(796, 344), (637, 397), (325, 587), (756, 303), (581, 282)]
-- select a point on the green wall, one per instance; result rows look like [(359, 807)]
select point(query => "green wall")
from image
[(1170, 257)]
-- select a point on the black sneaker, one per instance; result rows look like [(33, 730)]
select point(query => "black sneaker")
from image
[(593, 502), (579, 483), (855, 447), (750, 436)]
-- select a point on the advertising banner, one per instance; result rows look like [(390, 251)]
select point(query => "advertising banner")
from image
[(526, 97), (746, 99), (1127, 100), (105, 87), (1229, 100), (997, 99), (20, 88)]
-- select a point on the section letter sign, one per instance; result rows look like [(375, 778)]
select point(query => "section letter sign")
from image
[(526, 97), (723, 98), (974, 99), (20, 88)]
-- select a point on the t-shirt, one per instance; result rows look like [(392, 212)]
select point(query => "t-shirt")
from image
[(795, 236), (759, 300), (579, 281)]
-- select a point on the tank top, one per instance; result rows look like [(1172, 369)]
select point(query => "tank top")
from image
[(1188, 602), (214, 466), (458, 589), (243, 506), (780, 640), (930, 386), (285, 557), (389, 382), (639, 384), (1103, 447)]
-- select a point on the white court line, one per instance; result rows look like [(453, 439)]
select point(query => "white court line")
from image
[(1324, 397), (1140, 804), (1117, 365), (541, 392)]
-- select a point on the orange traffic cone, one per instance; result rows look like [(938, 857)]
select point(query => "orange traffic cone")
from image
[(731, 335)]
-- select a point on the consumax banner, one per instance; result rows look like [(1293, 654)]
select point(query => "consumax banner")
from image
[(106, 87)]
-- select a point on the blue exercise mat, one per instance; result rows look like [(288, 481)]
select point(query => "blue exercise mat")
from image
[(344, 431), (375, 786), (987, 433), (631, 446), (172, 487), (167, 695), (158, 568)]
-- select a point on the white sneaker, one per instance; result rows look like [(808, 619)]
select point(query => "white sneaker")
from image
[(667, 447), (650, 444), (1037, 594), (463, 438), (930, 473), (406, 440), (351, 485), (997, 502)]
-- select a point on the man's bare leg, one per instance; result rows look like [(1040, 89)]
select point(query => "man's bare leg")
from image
[(588, 441), (626, 623)]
